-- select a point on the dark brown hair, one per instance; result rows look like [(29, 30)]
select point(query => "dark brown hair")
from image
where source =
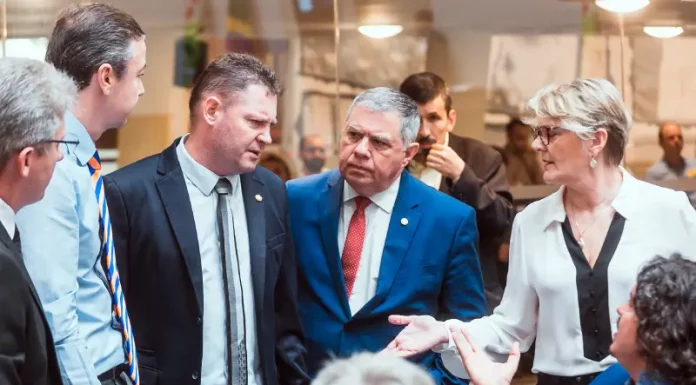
[(85, 37), (424, 87), (232, 73)]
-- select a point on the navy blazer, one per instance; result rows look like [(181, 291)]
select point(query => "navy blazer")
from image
[(429, 266), (160, 269)]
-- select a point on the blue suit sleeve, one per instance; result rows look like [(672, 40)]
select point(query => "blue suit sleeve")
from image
[(462, 296)]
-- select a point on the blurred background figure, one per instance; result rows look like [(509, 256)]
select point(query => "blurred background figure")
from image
[(372, 369), (521, 161), (673, 165), (275, 162), (312, 154)]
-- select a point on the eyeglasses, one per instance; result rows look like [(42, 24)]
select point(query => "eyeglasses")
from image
[(70, 145), (545, 133)]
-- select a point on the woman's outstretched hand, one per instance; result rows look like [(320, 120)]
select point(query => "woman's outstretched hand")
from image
[(421, 333), (481, 369)]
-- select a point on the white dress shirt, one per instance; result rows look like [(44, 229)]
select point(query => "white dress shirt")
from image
[(377, 217), (544, 290), (428, 175), (200, 183), (7, 216)]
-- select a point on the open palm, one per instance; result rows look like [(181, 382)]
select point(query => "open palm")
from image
[(481, 369), (421, 333)]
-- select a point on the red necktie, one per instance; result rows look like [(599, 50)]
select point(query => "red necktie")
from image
[(354, 243)]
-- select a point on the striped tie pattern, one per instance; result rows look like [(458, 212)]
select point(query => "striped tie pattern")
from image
[(109, 254)]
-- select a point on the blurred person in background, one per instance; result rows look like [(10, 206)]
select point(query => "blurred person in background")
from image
[(276, 163), (312, 154), (521, 161), (574, 255), (103, 49), (371, 240), (33, 100), (372, 369), (673, 165), (655, 342), (464, 168)]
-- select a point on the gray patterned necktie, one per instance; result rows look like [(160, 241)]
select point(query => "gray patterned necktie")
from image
[(236, 355)]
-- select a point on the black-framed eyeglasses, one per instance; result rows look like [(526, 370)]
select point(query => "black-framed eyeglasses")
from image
[(545, 133), (70, 145)]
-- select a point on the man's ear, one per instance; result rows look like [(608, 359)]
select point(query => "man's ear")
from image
[(451, 119), (24, 161), (411, 151), (212, 108), (105, 78)]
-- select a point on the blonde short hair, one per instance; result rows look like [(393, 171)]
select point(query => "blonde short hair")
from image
[(584, 106), (372, 369)]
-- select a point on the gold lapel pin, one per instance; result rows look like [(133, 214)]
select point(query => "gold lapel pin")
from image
[(258, 197), (404, 221)]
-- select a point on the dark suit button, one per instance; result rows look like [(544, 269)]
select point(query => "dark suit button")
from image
[(195, 375), (596, 332), (199, 320), (578, 379), (591, 273)]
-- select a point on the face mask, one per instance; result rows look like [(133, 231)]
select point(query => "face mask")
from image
[(314, 165)]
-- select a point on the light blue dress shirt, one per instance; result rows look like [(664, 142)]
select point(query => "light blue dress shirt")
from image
[(61, 248)]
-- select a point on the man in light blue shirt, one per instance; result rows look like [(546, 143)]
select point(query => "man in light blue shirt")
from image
[(63, 239)]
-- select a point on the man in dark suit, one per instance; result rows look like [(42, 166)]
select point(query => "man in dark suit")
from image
[(33, 99), (203, 243), (371, 240), (464, 168)]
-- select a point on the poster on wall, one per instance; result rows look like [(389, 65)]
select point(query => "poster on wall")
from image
[(519, 65)]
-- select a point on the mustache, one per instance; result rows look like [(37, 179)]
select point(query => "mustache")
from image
[(426, 140)]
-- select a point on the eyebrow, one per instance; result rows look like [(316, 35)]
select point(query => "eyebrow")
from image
[(256, 116), (378, 135)]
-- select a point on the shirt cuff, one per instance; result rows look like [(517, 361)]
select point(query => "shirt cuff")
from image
[(449, 346)]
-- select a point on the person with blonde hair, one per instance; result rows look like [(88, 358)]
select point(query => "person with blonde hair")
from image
[(372, 369), (574, 255)]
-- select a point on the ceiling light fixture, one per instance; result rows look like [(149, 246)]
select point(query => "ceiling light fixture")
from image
[(622, 6), (663, 32), (380, 31)]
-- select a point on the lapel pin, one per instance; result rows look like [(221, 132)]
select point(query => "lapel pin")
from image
[(404, 221), (258, 197)]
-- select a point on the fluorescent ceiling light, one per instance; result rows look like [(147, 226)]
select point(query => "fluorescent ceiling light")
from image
[(380, 31), (663, 32), (622, 6)]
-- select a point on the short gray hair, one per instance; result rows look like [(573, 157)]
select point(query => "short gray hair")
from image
[(34, 97), (383, 99), (372, 369), (584, 106)]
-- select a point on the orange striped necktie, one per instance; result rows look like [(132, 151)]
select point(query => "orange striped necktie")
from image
[(108, 252)]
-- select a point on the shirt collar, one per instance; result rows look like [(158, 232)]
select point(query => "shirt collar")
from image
[(7, 218), (625, 202), (384, 200), (74, 130), (204, 179)]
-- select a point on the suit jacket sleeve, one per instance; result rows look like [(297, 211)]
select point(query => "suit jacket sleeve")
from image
[(14, 296), (489, 194), (290, 350), (462, 296)]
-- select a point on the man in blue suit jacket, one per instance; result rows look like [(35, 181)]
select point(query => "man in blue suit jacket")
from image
[(371, 240)]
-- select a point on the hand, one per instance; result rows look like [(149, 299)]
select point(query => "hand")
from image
[(445, 161), (481, 369), (421, 333)]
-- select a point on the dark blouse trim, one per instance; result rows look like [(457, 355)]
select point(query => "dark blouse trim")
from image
[(593, 289)]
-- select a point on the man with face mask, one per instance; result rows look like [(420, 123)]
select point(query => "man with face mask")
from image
[(464, 168), (313, 154)]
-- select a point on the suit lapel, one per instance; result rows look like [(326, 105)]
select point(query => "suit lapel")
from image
[(174, 195), (402, 227), (252, 190), (330, 207)]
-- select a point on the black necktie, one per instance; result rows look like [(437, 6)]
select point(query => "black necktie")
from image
[(16, 239)]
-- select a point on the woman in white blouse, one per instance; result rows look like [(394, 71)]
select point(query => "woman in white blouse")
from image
[(575, 254)]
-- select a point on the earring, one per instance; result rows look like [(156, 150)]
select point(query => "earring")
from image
[(593, 163)]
